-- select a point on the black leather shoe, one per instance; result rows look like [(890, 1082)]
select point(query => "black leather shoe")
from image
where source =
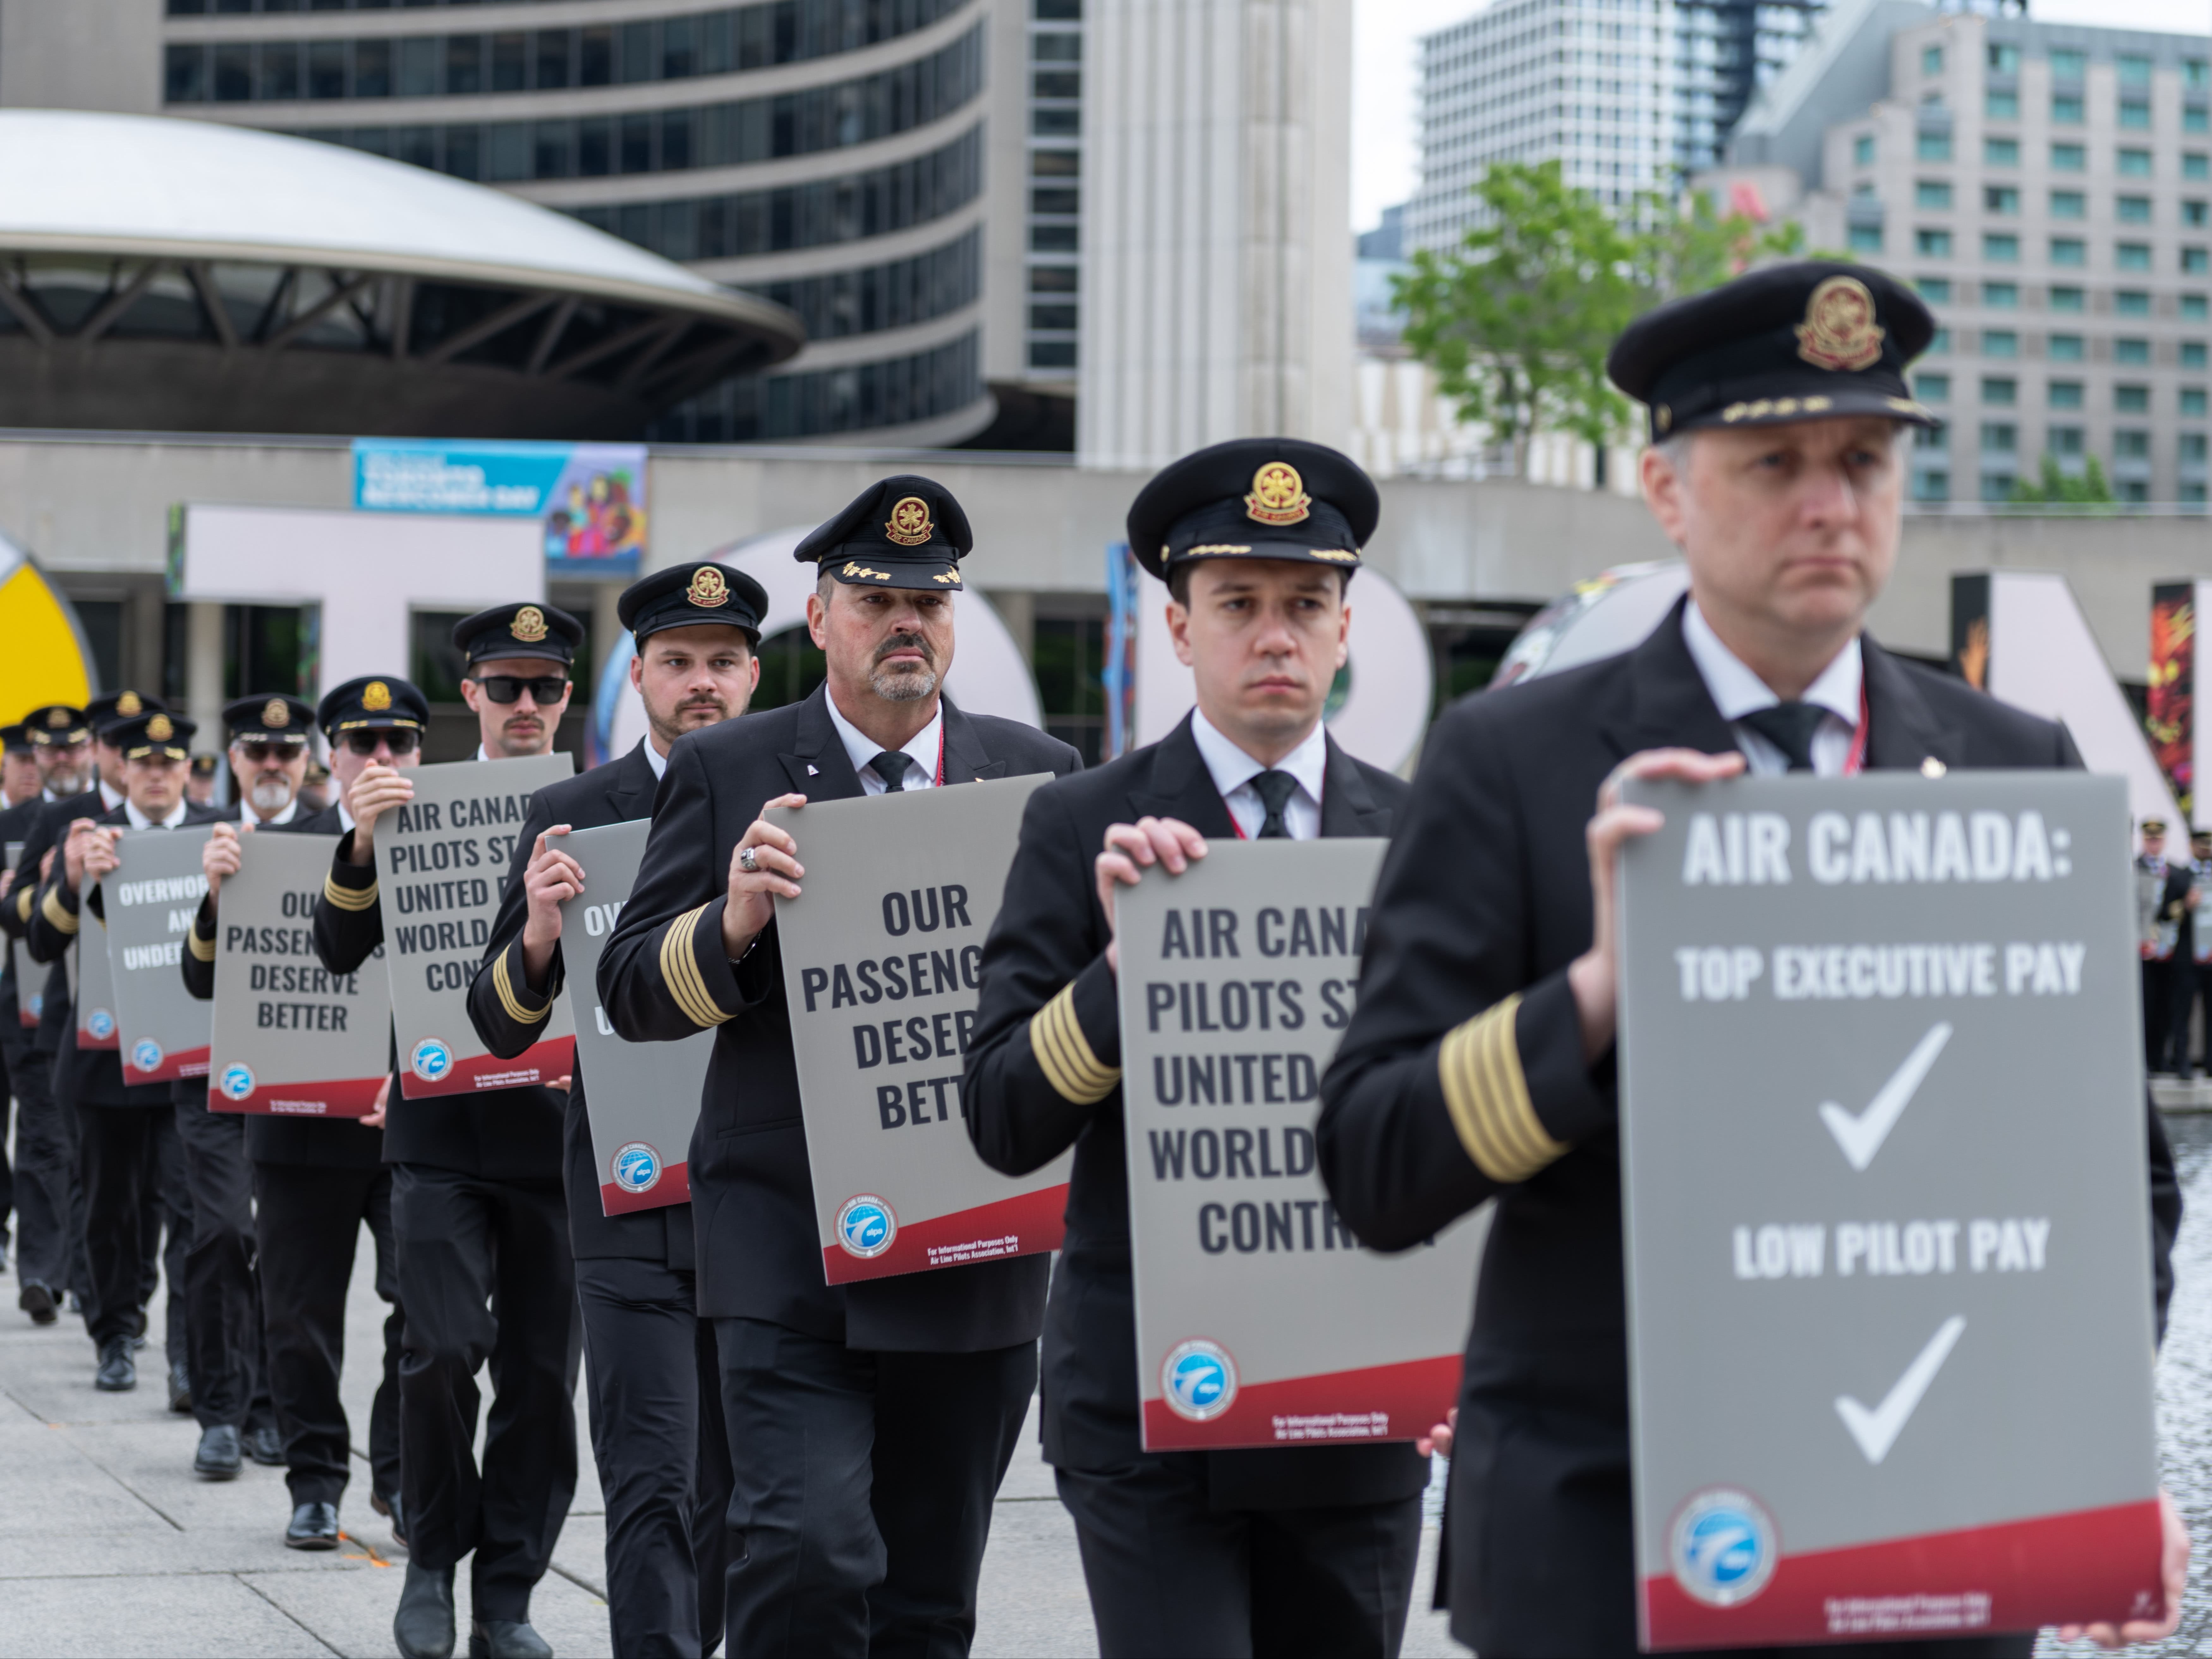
[(314, 1527), (180, 1388), (266, 1446), (387, 1504), (38, 1301), (116, 1374), (424, 1626), (507, 1639), (217, 1458)]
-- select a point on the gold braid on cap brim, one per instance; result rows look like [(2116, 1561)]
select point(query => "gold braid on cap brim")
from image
[(1064, 1056), (1487, 1095)]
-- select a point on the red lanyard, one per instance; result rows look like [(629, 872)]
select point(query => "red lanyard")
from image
[(1855, 762)]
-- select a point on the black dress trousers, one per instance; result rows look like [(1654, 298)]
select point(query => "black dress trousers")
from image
[(468, 1244), (863, 1483), (46, 1170), (132, 1166), (228, 1366)]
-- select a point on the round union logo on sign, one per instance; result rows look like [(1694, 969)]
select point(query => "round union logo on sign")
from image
[(867, 1226), (236, 1082), (636, 1167), (99, 1024), (1199, 1379), (431, 1060), (1722, 1546), (145, 1054)]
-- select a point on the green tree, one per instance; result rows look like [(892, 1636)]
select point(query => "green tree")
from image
[(2053, 488), (1688, 247)]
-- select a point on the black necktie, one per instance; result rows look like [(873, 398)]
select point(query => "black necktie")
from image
[(1790, 728), (1274, 790), (890, 767)]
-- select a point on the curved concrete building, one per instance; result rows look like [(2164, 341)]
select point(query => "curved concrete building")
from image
[(182, 276)]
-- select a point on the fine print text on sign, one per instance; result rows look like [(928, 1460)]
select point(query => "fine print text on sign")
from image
[(643, 1099), (290, 1038), (1260, 1322), (149, 898), (1882, 1147), (881, 967), (441, 861)]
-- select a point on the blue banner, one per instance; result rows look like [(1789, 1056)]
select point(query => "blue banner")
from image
[(590, 497)]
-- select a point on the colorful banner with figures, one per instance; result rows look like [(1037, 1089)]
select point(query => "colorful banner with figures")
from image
[(1881, 1105), (882, 960), (441, 861), (149, 898), (1260, 1320), (290, 1038), (642, 1098), (589, 499)]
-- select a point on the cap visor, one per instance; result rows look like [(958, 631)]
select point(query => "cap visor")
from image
[(937, 576), (1336, 558), (1838, 403)]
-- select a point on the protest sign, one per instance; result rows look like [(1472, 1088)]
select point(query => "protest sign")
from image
[(882, 959), (289, 1036), (1882, 1108), (442, 862), (91, 981), (644, 1097), (149, 899), (1260, 1322)]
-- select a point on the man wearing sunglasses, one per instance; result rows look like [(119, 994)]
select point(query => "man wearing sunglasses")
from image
[(485, 1266)]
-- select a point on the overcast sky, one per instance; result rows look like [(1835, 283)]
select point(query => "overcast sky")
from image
[(1386, 142)]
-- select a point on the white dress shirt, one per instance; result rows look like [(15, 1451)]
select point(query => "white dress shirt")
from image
[(925, 746), (140, 821), (247, 814), (110, 799), (1233, 771), (1737, 691), (654, 757)]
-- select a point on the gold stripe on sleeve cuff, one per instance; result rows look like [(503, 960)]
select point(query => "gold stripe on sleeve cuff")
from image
[(202, 950), (1487, 1096), (23, 899), (504, 985), (1064, 1055), (349, 898), (63, 921), (680, 971)]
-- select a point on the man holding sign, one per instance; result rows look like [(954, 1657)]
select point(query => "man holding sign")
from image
[(1480, 1063), (869, 1424), (655, 1410), (1304, 1549)]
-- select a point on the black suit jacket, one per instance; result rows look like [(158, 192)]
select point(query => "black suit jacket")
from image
[(16, 824), (50, 829), (1050, 938), (320, 1143), (1486, 894), (91, 1077), (510, 1015), (752, 1195), (500, 1134)]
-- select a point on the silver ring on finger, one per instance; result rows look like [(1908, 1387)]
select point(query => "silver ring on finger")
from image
[(747, 862)]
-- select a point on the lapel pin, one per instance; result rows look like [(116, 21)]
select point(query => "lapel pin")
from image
[(813, 772)]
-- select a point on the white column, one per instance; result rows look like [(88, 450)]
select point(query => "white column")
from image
[(204, 665)]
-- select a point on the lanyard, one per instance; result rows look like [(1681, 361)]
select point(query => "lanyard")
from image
[(1855, 762)]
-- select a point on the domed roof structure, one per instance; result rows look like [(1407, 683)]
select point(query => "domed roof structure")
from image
[(184, 275)]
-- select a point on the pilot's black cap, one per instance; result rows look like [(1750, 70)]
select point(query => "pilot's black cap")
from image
[(268, 717), (700, 594), (1256, 498), (518, 631), (1801, 341), (111, 707), (156, 732), (372, 700), (56, 724), (15, 741), (906, 532)]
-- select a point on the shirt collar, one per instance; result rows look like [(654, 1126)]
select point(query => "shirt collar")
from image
[(140, 821), (925, 746), (109, 798), (247, 814), (1737, 691), (1232, 769), (345, 818), (654, 757)]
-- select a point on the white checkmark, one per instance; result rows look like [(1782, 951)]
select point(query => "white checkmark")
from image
[(1861, 1136), (1876, 1430)]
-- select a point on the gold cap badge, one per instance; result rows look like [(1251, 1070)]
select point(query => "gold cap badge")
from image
[(276, 713), (1278, 495), (376, 696), (57, 718), (909, 525), (529, 625), (161, 729), (708, 588), (1839, 332), (128, 704)]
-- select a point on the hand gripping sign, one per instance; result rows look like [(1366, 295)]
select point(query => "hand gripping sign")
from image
[(881, 968), (643, 1098), (441, 863), (149, 898), (1882, 1152), (1260, 1322), (290, 1038)]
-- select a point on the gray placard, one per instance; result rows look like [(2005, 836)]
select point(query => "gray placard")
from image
[(1260, 1322), (290, 1038), (442, 862), (1882, 1145), (149, 899), (91, 981), (644, 1097), (901, 891)]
